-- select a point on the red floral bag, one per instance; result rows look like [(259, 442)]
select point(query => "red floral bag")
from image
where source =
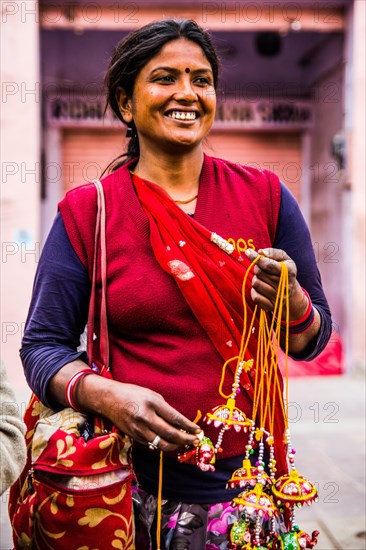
[(75, 490)]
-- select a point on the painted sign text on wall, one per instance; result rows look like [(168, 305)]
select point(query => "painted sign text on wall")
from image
[(277, 114)]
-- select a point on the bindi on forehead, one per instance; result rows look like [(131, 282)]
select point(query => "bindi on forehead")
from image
[(187, 70)]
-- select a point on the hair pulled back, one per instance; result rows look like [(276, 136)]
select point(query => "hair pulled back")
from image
[(135, 51)]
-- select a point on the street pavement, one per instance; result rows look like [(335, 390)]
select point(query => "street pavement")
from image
[(327, 422), (328, 431)]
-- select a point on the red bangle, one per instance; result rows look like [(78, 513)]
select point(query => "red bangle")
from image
[(70, 387), (299, 329), (304, 323), (304, 317)]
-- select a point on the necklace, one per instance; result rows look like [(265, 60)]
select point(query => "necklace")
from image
[(186, 201)]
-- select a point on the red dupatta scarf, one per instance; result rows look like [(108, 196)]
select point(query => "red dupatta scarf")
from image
[(209, 272)]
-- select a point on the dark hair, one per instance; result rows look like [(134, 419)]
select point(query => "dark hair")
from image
[(133, 52)]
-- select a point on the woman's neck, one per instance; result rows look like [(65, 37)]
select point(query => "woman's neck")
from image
[(178, 175)]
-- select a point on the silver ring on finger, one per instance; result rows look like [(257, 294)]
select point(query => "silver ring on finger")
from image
[(154, 445)]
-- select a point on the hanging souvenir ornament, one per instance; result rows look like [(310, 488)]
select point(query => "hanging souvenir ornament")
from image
[(247, 534), (228, 414), (305, 541), (256, 503), (240, 534), (292, 489), (295, 540), (259, 508), (247, 475), (202, 456)]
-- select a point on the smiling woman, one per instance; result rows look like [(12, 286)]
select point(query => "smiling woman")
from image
[(172, 110), (174, 297), (168, 106)]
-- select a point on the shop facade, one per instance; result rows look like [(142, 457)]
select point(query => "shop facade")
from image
[(286, 102)]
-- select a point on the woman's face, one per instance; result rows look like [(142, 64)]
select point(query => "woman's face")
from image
[(174, 100)]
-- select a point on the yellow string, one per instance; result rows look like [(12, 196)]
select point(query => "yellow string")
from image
[(273, 339), (261, 369), (198, 417), (267, 386), (268, 347), (271, 373), (159, 503), (276, 382), (283, 295), (282, 292), (267, 371), (243, 343), (287, 338), (243, 346)]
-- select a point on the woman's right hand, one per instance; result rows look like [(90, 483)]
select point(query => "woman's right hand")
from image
[(141, 413)]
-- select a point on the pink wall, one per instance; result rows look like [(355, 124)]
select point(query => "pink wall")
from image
[(327, 190)]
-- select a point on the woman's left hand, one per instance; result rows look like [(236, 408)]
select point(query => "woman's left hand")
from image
[(267, 272)]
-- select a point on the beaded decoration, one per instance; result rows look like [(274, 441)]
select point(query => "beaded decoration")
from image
[(266, 503), (228, 414)]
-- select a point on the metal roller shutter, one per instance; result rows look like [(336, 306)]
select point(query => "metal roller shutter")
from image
[(86, 152), (279, 152)]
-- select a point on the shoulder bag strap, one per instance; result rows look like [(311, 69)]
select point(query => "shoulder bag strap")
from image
[(100, 236)]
